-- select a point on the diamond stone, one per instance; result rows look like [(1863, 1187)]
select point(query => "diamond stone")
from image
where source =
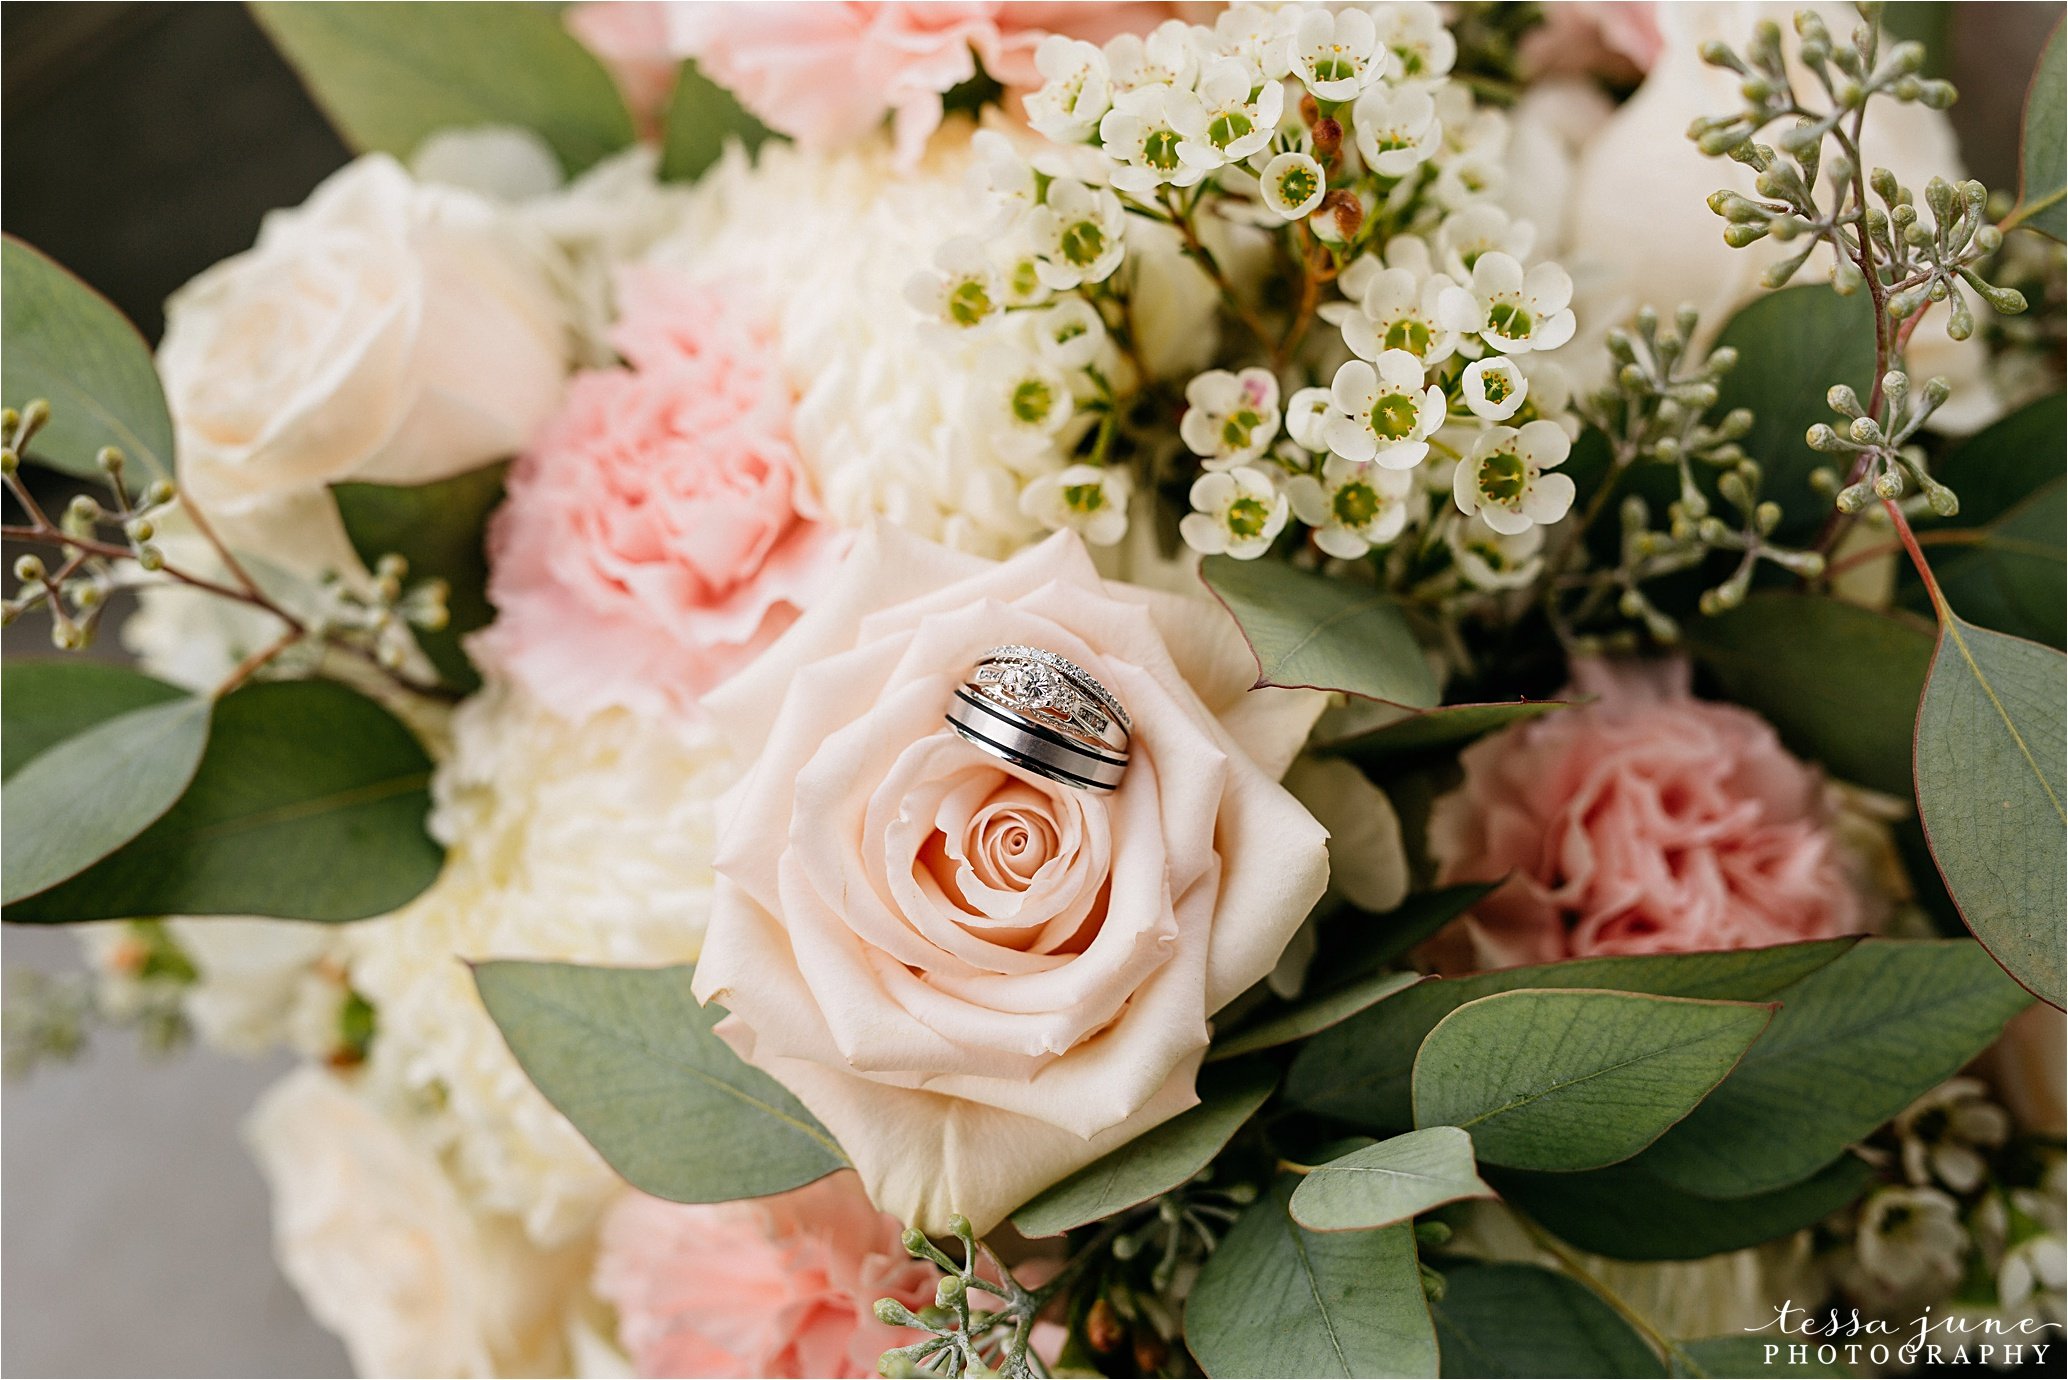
[(1036, 687)]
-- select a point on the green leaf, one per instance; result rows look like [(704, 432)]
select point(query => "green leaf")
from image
[(2013, 575), (631, 1059), (1313, 632), (45, 701), (1156, 1161), (700, 118), (1854, 1043), (1562, 1079), (1316, 1013), (1355, 943), (1275, 1300), (1389, 1182), (63, 342), (1520, 1320), (1360, 1071), (83, 799), (1989, 792), (1792, 346), (438, 528), (1719, 1356), (309, 804), (1438, 729), (390, 74), (1627, 1212), (1839, 682), (2044, 148)]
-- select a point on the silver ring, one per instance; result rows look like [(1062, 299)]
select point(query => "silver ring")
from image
[(1046, 714)]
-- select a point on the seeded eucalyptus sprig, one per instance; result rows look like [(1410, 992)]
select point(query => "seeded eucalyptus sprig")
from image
[(1656, 413), (1813, 184), (106, 545), (967, 1340)]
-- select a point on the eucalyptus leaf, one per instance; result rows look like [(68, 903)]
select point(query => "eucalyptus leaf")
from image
[(65, 343), (701, 117), (309, 804), (631, 1059), (1990, 754), (1309, 631), (1157, 1161), (1277, 1300), (438, 528), (1627, 1212), (46, 700), (1389, 1182), (1792, 346), (2044, 147), (1564, 1079), (1317, 1012), (1521, 1320), (1355, 943), (390, 74), (1359, 1072), (1839, 682), (1434, 730), (84, 798), (1853, 1044), (2004, 564)]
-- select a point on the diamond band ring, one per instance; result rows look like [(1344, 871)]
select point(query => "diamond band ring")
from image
[(1044, 712)]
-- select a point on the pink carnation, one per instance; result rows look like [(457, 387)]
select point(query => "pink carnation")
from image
[(827, 73), (1645, 822), (775, 1287), (660, 530), (1619, 39)]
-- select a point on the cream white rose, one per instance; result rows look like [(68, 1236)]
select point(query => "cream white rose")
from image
[(977, 979), (384, 331), (370, 1229)]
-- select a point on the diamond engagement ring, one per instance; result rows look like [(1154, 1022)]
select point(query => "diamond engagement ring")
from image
[(1046, 713)]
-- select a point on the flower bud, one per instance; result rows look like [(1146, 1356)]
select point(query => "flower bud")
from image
[(1722, 361), (1104, 1332), (1347, 210), (110, 460), (140, 529), (1842, 398), (1821, 437), (1854, 497), (1328, 137), (1888, 484), (28, 569), (9, 461), (891, 1313), (1846, 278), (949, 1291), (150, 557), (1988, 239), (1865, 430), (33, 418), (1944, 501), (1741, 236), (1936, 391)]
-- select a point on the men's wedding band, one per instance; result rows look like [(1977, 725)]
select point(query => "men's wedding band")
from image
[(1043, 712)]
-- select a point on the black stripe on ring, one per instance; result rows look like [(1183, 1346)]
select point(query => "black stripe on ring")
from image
[(1038, 730), (1047, 769)]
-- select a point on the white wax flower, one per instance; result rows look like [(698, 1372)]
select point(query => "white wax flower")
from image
[(1396, 129), (1383, 413), (1336, 53), (1090, 500), (1236, 512), (1512, 310), (1503, 480), (1230, 418), (1353, 507)]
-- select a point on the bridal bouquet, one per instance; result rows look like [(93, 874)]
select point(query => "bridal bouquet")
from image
[(1091, 689)]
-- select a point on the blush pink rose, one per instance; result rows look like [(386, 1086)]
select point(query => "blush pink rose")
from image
[(977, 979), (1647, 821), (826, 74), (1619, 39), (776, 1287), (660, 530), (630, 38)]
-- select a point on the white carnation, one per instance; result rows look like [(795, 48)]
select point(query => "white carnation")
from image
[(586, 842)]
